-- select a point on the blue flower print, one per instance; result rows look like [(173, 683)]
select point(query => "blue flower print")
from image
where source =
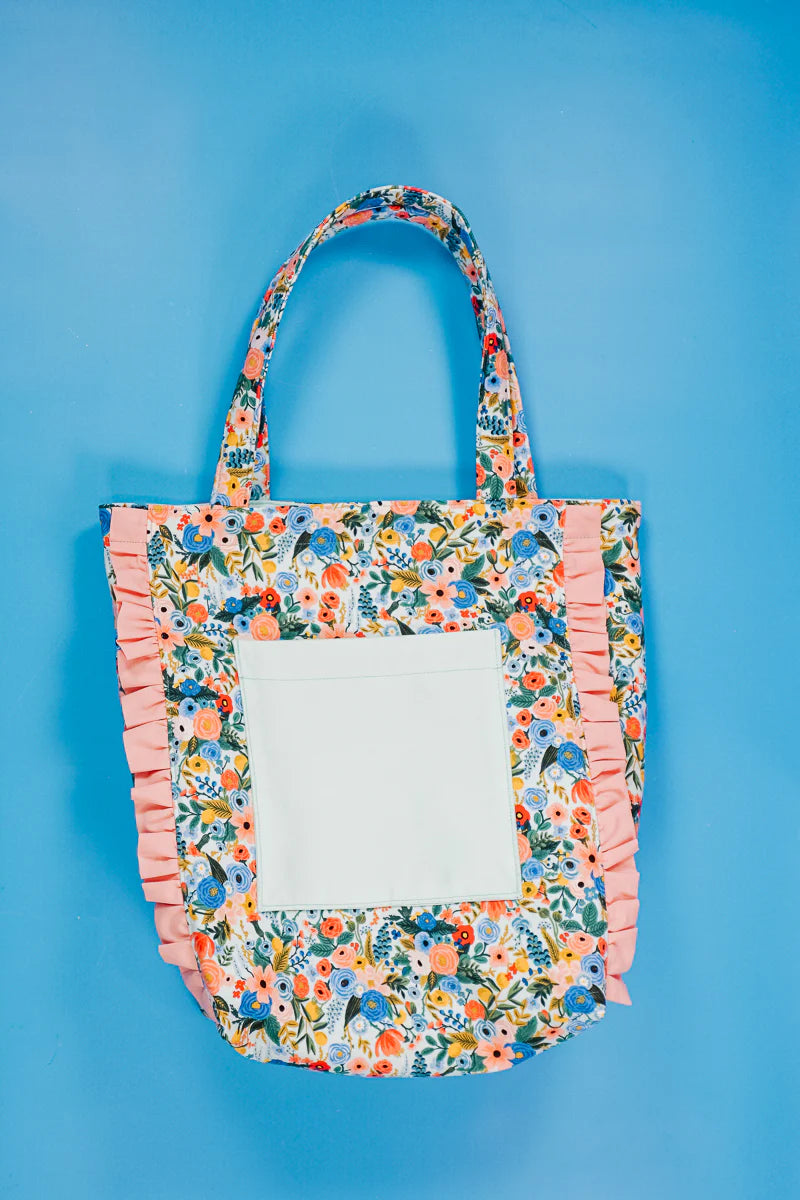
[(465, 596), (570, 757), (543, 732), (285, 581), (299, 518), (250, 1005), (544, 516), (196, 541), (343, 981), (338, 1054), (240, 877), (579, 999), (524, 544), (375, 1006), (323, 542), (210, 892)]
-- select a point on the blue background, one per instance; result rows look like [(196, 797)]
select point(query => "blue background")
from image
[(631, 173)]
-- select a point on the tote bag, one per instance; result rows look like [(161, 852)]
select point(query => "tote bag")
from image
[(387, 756)]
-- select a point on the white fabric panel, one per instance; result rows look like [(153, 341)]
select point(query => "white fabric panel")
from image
[(380, 770)]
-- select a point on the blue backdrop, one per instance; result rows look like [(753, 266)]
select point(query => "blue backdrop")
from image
[(631, 173)]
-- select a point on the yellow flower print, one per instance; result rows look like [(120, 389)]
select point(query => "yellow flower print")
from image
[(439, 998)]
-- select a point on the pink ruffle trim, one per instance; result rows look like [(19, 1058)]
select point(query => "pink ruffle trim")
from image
[(586, 617), (146, 745)]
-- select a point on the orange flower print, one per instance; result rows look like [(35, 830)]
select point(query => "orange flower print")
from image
[(203, 945), (334, 576), (167, 637), (213, 974), (520, 626), (439, 592), (209, 520), (254, 522), (588, 857), (503, 466), (264, 628), (444, 959), (301, 986), (389, 1043), (253, 364), (263, 984), (243, 822), (343, 956), (582, 793), (581, 943), (498, 957), (207, 725), (496, 1054)]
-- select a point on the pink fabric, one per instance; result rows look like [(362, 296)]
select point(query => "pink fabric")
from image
[(147, 745), (586, 617)]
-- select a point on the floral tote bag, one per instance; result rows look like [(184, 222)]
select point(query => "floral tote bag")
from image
[(387, 756)]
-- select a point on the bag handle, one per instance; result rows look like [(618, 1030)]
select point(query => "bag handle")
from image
[(503, 459)]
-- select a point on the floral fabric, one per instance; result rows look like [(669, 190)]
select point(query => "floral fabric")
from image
[(503, 460), (464, 988)]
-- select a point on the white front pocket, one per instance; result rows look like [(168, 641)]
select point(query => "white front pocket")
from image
[(380, 770)]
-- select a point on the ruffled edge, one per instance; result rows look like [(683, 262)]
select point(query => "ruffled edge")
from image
[(146, 738), (586, 618)]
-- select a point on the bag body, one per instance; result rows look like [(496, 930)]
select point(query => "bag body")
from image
[(387, 756)]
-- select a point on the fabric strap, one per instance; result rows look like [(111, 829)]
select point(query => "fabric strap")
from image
[(504, 468)]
